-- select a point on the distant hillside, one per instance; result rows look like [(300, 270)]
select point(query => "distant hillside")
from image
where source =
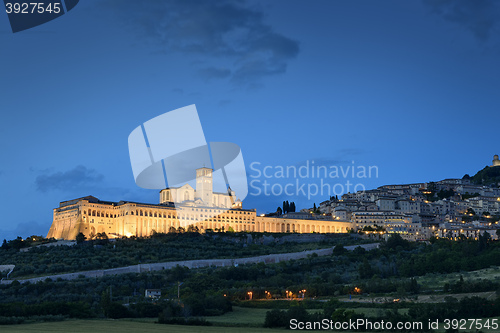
[(487, 176)]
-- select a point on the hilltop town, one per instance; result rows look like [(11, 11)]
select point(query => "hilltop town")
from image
[(450, 208)]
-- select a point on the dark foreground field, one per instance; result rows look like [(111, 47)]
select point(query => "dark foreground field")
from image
[(399, 281)]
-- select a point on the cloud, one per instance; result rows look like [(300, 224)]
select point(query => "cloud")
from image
[(351, 151), (212, 32), (343, 157), (25, 229), (214, 73), (76, 178), (480, 17), (224, 102), (81, 181)]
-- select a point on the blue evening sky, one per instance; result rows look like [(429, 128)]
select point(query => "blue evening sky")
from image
[(411, 87)]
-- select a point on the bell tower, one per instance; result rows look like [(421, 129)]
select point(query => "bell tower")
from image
[(204, 185)]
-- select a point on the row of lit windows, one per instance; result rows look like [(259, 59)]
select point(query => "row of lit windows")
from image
[(150, 214)]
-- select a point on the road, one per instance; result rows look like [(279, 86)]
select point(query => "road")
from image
[(267, 259)]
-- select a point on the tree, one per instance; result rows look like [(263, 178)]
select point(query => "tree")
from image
[(432, 187), (396, 240), (279, 211), (339, 249), (102, 238), (292, 207), (484, 239), (105, 301), (431, 191), (17, 243), (315, 209), (116, 310), (101, 235), (193, 228), (286, 207), (445, 194), (275, 318), (365, 270), (80, 238), (5, 246), (487, 176), (413, 286)]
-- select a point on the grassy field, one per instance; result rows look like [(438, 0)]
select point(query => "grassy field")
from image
[(247, 317), (251, 319), (375, 312), (122, 326), (421, 298), (437, 281)]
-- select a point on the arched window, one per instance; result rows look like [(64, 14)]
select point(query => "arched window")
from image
[(186, 195)]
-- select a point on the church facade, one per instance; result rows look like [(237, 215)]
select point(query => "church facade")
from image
[(203, 195), (179, 207)]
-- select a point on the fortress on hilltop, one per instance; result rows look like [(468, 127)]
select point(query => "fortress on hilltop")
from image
[(496, 161), (179, 207)]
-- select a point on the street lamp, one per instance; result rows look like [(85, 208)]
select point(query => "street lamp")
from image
[(250, 294)]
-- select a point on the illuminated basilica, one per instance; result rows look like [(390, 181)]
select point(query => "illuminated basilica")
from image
[(179, 207)]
